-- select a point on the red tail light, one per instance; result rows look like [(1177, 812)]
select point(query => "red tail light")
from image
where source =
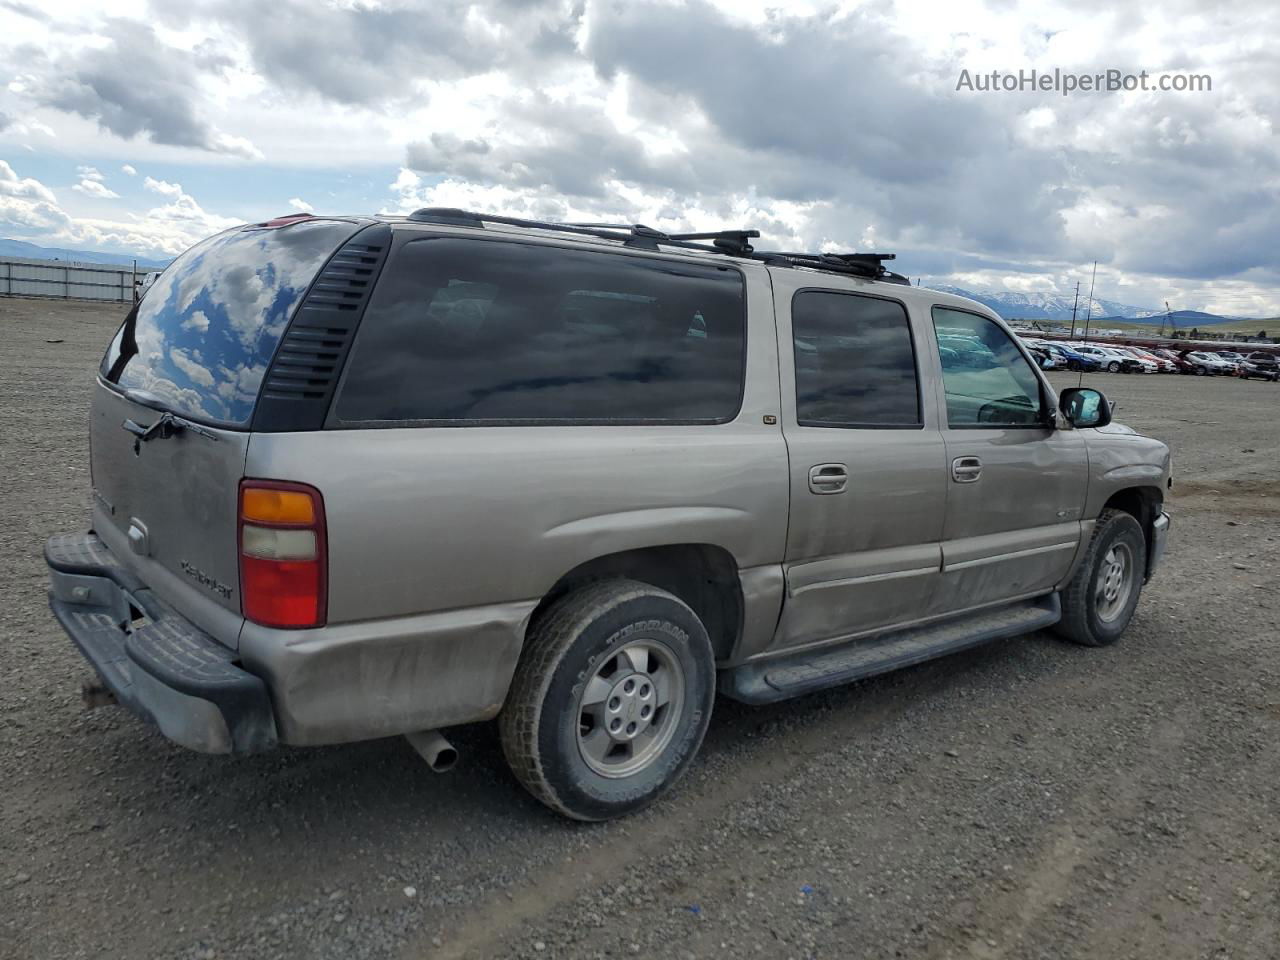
[(283, 560)]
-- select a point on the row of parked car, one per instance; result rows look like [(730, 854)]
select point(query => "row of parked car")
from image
[(1113, 358)]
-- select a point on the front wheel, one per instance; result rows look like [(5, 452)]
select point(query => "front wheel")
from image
[(1113, 367), (610, 700), (1098, 603), (1073, 365), (1201, 371)]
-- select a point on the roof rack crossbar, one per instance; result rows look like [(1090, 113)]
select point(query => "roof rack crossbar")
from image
[(868, 265)]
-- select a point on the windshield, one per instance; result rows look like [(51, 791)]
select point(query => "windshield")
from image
[(209, 325)]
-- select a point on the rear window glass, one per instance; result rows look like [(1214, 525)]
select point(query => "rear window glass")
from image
[(486, 330), (207, 328)]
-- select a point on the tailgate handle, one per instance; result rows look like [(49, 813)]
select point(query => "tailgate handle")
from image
[(137, 429)]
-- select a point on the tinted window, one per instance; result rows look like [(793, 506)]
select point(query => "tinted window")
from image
[(500, 331), (209, 325), (988, 381), (855, 366)]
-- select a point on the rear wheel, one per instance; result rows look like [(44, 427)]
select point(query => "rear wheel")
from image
[(611, 699), (1201, 371), (1098, 603)]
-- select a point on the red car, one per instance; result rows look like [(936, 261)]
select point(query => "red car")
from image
[(1180, 363), (1164, 363)]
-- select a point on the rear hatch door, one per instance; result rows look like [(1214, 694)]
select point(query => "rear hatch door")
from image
[(188, 365)]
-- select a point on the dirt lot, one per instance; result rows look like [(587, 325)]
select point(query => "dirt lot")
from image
[(1030, 799)]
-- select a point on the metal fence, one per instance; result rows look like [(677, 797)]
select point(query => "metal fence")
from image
[(66, 280)]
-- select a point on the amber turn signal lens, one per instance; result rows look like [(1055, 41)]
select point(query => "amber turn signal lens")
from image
[(276, 506)]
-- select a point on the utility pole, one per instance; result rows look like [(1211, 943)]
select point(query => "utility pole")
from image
[(1168, 315), (1089, 307), (1074, 304)]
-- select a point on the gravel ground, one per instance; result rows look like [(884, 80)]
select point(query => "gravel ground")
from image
[(1029, 799)]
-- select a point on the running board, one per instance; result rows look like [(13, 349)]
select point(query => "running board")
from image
[(799, 673)]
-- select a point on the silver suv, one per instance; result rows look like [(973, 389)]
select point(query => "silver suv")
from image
[(360, 477)]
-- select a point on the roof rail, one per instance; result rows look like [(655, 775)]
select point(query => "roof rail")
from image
[(633, 235), (734, 243), (452, 215)]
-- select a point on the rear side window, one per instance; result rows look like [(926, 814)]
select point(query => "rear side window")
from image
[(496, 331), (855, 365), (207, 328)]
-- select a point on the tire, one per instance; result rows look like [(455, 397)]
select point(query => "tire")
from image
[(551, 738), (1113, 367), (1086, 620), (1201, 371), (1073, 365)]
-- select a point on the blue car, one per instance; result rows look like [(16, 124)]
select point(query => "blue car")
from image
[(1071, 359)]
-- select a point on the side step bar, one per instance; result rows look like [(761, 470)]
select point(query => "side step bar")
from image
[(791, 676)]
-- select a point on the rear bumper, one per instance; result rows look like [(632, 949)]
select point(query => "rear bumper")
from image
[(158, 664), (334, 684), (1159, 538)]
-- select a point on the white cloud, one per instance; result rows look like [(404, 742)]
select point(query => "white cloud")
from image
[(89, 173), (165, 230), (96, 189), (198, 321), (163, 187), (11, 185), (193, 369), (301, 205), (27, 203), (238, 146), (826, 123)]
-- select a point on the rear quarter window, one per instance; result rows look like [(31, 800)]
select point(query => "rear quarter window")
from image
[(207, 328), (489, 331)]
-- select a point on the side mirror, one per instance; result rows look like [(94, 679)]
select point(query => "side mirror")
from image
[(1084, 407)]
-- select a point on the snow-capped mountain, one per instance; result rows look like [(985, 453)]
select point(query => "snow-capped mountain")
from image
[(1043, 306)]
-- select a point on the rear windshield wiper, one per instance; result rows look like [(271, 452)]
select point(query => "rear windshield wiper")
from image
[(128, 345), (166, 426)]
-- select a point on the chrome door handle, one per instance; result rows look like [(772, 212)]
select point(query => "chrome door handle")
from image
[(966, 469), (827, 478)]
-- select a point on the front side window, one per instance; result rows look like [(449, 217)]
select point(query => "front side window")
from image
[(855, 365), (988, 381), (498, 331)]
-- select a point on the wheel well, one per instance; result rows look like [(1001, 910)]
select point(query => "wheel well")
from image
[(702, 575), (1142, 503)]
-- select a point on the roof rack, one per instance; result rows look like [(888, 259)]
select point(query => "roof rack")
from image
[(870, 265), (631, 234), (734, 243)]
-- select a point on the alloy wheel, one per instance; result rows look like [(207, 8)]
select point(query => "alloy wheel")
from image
[(1114, 582), (629, 709)]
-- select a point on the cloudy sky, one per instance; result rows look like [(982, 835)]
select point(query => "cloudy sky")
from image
[(832, 125)]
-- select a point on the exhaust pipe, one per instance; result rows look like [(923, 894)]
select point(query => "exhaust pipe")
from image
[(95, 693), (431, 745)]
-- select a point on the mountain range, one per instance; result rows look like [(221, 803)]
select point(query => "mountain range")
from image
[(31, 251), (1044, 306)]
